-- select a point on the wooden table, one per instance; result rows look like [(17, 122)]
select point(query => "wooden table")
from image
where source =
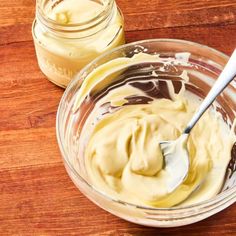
[(37, 197)]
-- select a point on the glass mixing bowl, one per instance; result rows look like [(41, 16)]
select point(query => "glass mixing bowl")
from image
[(205, 66)]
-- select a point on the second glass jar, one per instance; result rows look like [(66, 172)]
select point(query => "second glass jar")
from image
[(68, 34)]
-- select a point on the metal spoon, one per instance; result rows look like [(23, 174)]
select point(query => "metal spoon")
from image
[(176, 165)]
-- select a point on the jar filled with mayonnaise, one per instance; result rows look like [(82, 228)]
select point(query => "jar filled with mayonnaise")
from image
[(68, 34)]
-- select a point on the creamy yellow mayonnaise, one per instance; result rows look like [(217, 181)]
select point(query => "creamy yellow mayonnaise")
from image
[(123, 157), (75, 11), (61, 54)]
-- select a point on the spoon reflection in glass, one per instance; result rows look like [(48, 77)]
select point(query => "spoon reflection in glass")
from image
[(175, 152)]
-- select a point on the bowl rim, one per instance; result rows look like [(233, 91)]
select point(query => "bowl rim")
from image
[(216, 199)]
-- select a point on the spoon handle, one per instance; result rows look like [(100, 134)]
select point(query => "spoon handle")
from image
[(226, 76)]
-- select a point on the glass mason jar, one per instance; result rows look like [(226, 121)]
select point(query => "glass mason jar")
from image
[(66, 40)]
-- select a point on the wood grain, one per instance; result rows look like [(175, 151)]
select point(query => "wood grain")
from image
[(37, 197), (56, 207)]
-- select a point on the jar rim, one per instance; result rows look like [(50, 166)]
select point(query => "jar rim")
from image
[(57, 27), (216, 199)]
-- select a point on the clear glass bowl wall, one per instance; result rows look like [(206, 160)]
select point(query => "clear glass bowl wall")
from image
[(207, 63)]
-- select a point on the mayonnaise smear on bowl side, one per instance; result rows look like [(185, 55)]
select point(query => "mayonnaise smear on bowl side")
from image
[(122, 155)]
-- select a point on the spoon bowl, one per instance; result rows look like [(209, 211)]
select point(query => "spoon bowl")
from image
[(176, 165)]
